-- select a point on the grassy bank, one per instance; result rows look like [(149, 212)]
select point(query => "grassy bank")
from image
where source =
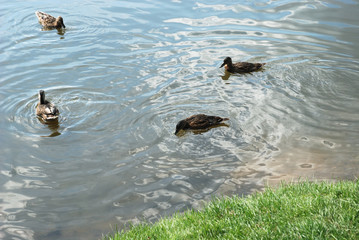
[(295, 211)]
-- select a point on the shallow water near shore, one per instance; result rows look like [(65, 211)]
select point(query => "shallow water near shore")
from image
[(124, 73)]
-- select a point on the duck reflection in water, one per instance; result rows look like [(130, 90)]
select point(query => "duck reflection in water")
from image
[(200, 131), (53, 125), (226, 74), (60, 31)]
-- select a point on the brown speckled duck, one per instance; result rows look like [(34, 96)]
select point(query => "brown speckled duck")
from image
[(240, 67), (45, 109), (199, 121), (49, 21)]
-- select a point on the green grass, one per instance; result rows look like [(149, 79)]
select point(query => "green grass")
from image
[(304, 210)]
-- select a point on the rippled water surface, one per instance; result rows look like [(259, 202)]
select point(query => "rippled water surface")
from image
[(123, 73)]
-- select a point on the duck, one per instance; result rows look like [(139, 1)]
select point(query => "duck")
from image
[(240, 67), (45, 109), (49, 21), (199, 121)]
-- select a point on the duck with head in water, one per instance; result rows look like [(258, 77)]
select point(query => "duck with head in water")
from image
[(199, 121), (48, 21), (45, 109), (240, 67)]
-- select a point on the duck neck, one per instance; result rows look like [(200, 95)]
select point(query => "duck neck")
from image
[(229, 67), (42, 97)]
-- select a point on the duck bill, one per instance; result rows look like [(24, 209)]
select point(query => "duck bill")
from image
[(63, 25), (222, 65)]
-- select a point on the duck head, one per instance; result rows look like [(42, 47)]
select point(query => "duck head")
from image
[(181, 125), (42, 97), (60, 22), (227, 61)]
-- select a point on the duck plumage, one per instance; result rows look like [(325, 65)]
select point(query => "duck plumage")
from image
[(199, 121), (240, 67), (45, 109), (49, 21)]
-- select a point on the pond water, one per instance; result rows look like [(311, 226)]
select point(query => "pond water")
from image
[(124, 73)]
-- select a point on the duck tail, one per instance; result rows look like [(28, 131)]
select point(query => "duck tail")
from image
[(39, 15)]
